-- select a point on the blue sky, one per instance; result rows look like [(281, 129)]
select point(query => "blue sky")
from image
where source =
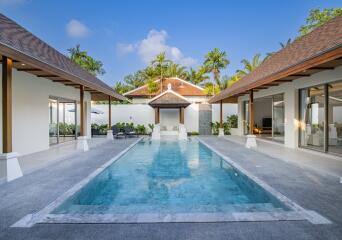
[(124, 35)]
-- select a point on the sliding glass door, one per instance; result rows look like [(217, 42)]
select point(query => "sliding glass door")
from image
[(335, 118), (321, 118), (278, 118), (62, 120), (312, 115), (53, 120)]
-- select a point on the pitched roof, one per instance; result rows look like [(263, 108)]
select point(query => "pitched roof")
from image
[(21, 45), (179, 86), (320, 46), (169, 99)]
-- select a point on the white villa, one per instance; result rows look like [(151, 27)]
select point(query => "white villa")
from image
[(179, 107), (39, 85), (295, 96)]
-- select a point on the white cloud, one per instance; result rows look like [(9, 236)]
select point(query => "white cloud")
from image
[(75, 28), (153, 44), (123, 48)]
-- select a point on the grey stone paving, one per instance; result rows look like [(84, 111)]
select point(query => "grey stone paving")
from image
[(311, 189)]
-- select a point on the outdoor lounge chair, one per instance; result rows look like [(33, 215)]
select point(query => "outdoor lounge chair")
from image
[(129, 132), (117, 133)]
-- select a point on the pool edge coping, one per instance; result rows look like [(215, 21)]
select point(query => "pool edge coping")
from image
[(44, 216), (31, 219), (310, 215)]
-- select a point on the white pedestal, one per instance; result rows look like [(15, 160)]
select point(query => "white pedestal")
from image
[(221, 132), (183, 135), (251, 141), (9, 166), (156, 132), (82, 143), (110, 135)]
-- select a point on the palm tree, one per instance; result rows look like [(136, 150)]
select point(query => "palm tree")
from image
[(161, 64), (176, 70), (214, 62), (233, 79), (284, 45), (197, 77), (249, 66), (87, 62)]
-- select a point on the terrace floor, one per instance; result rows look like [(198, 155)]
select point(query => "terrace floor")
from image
[(308, 185)]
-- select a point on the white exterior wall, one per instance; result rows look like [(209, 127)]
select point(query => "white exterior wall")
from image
[(30, 111), (135, 113), (291, 92), (143, 114), (191, 118)]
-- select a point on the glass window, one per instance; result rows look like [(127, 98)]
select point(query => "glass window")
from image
[(335, 118), (53, 119), (278, 129), (312, 117), (62, 120)]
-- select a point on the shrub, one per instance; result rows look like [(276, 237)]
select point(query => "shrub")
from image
[(232, 121), (193, 133), (140, 129), (151, 126)]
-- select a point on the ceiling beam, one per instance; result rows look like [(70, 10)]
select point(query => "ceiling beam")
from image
[(60, 81), (47, 76), (283, 80), (321, 68), (260, 88), (29, 69), (299, 75)]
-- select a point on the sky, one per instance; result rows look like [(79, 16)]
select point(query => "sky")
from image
[(126, 35)]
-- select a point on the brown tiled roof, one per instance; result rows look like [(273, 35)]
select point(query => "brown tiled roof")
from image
[(320, 46), (169, 99), (19, 44), (178, 85)]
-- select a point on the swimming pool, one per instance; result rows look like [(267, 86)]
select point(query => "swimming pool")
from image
[(170, 177)]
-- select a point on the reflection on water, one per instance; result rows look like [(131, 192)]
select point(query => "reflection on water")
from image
[(170, 176)]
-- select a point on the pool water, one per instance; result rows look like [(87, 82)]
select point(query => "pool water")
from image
[(170, 177)]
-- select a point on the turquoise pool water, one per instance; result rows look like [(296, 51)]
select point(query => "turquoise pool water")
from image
[(170, 177)]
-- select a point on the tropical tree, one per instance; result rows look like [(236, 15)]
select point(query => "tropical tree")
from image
[(249, 66), (121, 88), (135, 80), (211, 89), (214, 62), (175, 70), (317, 18), (233, 79), (287, 43), (160, 64), (197, 77), (152, 86), (88, 63)]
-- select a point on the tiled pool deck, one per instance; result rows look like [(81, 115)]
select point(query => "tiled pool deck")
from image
[(309, 187)]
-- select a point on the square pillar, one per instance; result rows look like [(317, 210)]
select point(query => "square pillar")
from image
[(156, 115), (82, 143), (251, 138), (9, 164), (181, 115), (109, 130), (221, 130)]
